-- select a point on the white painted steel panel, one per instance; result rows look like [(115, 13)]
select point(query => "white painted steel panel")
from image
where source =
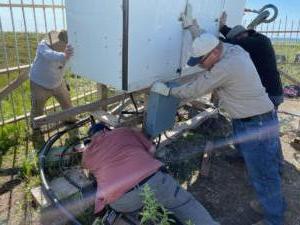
[(155, 36), (155, 45), (235, 11), (95, 31), (208, 13)]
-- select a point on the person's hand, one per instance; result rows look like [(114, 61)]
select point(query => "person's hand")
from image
[(223, 20), (195, 29), (160, 88), (69, 52), (187, 17)]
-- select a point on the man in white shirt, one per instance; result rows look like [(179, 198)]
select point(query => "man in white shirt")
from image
[(46, 76)]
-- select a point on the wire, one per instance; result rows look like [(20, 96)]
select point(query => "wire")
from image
[(158, 141), (134, 103)]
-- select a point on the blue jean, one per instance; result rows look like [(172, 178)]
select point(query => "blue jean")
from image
[(257, 139), (172, 196)]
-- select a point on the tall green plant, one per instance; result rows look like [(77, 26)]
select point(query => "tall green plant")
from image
[(153, 212), (8, 139)]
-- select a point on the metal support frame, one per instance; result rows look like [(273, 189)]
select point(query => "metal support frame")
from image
[(125, 45)]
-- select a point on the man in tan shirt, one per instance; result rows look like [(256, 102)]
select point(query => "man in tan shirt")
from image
[(232, 75)]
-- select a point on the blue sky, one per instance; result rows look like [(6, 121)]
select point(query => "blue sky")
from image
[(289, 8), (5, 16)]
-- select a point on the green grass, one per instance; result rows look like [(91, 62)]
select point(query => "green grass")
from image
[(25, 48), (19, 102), (289, 51), (8, 139)]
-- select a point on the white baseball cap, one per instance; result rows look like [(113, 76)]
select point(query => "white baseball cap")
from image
[(202, 45)]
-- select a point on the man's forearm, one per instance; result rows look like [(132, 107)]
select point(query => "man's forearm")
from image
[(225, 30)]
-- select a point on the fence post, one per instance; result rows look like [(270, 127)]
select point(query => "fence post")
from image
[(102, 92)]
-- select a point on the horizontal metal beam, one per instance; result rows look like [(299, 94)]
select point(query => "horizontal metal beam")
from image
[(91, 107), (61, 116), (13, 69), (31, 6), (49, 108), (4, 92), (279, 31)]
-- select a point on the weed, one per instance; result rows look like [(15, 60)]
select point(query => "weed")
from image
[(29, 173), (189, 223), (153, 212), (8, 139), (29, 167)]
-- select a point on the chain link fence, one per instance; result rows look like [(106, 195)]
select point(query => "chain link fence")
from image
[(23, 25)]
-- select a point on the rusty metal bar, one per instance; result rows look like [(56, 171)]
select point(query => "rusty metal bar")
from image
[(16, 5), (49, 108), (13, 69), (278, 31)]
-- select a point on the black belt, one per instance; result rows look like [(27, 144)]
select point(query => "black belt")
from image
[(144, 181), (256, 117)]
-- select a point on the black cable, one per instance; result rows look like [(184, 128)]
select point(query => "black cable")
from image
[(131, 113), (158, 141), (61, 162), (134, 103)]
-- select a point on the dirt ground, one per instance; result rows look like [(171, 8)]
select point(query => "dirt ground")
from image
[(226, 192)]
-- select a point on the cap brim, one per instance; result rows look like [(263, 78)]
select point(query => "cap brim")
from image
[(193, 61)]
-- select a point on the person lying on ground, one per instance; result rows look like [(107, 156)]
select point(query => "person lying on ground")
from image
[(122, 161)]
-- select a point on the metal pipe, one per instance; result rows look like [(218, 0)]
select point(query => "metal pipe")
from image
[(125, 45)]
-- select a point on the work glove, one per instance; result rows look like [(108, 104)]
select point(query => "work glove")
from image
[(195, 29), (223, 20), (161, 88), (187, 17), (69, 52)]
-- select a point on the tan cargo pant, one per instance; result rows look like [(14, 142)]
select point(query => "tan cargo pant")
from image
[(39, 97)]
